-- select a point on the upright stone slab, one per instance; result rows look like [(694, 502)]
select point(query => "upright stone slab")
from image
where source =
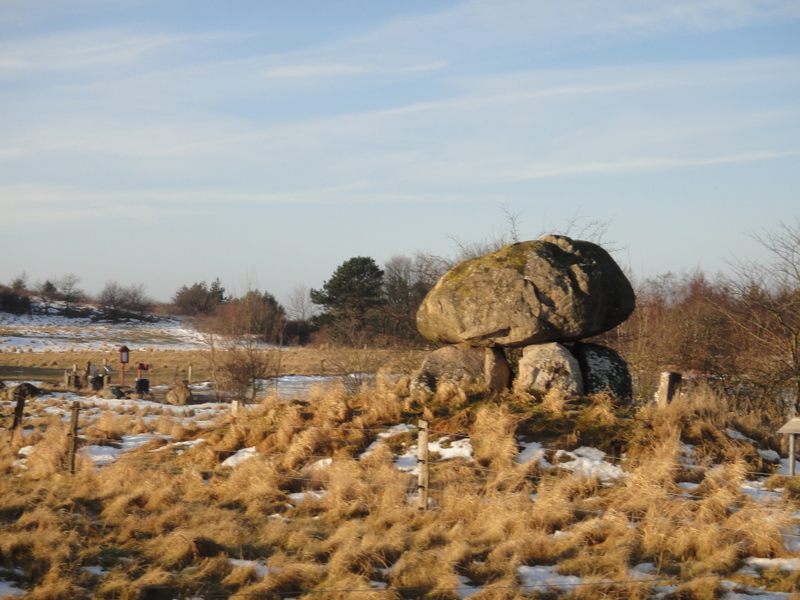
[(464, 365), (604, 371), (544, 367), (550, 290)]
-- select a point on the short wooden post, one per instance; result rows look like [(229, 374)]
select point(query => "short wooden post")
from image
[(792, 452), (668, 387), (189, 377), (73, 429), (19, 413), (235, 405), (422, 465)]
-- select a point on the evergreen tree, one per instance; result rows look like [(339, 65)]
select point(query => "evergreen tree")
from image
[(354, 289)]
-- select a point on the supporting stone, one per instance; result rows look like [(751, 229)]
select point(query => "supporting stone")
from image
[(668, 387)]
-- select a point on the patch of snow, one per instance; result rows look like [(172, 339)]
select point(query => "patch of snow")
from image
[(378, 585), (736, 435), (531, 452), (323, 463), (392, 431), (590, 462), (753, 564), (757, 491), (756, 596), (310, 495), (7, 588), (55, 333), (791, 539), (687, 455), (260, 566), (133, 441), (542, 579), (101, 455), (663, 590), (784, 468), (99, 571), (647, 568), (464, 590), (688, 485), (456, 449), (241, 456)]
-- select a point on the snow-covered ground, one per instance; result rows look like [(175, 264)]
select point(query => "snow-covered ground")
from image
[(52, 333)]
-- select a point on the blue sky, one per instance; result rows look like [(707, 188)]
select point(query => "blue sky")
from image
[(265, 143)]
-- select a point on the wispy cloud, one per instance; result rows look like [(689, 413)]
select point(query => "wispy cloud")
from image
[(95, 48), (548, 170)]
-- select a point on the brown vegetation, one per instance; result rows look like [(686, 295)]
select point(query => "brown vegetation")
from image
[(182, 521)]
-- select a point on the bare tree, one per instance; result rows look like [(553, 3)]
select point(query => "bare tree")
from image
[(111, 300), (766, 307), (244, 338), (69, 292), (299, 306), (46, 292)]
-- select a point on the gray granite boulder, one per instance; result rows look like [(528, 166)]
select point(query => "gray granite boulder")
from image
[(604, 370), (464, 365), (550, 290), (544, 367)]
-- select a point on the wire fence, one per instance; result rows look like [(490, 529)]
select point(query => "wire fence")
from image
[(310, 480)]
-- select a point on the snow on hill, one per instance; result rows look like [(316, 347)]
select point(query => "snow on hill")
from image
[(55, 333)]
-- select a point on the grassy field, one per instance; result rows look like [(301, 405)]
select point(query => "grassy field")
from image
[(167, 366), (688, 505)]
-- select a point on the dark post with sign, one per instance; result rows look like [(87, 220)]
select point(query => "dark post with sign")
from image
[(124, 357), (142, 385)]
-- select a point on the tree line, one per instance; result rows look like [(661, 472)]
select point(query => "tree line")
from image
[(740, 329)]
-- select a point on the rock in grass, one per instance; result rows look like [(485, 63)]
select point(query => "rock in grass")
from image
[(23, 391), (550, 290), (544, 367), (179, 396), (112, 392), (604, 371), (463, 365)]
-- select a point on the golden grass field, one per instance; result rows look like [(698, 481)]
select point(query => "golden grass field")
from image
[(167, 366), (311, 516)]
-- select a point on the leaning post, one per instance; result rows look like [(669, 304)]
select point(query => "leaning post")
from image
[(422, 464), (73, 431)]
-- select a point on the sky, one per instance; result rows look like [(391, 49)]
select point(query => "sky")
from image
[(265, 143)]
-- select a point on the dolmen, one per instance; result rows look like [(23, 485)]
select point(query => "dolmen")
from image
[(544, 296)]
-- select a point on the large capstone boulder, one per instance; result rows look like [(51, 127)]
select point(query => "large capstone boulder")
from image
[(463, 365), (545, 367), (550, 290), (604, 370)]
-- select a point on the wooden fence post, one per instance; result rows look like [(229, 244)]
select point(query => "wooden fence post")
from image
[(19, 413), (668, 388), (73, 432), (422, 465)]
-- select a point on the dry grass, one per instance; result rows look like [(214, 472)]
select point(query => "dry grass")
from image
[(174, 520)]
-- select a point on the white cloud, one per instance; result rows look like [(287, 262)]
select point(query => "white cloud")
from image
[(89, 49)]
